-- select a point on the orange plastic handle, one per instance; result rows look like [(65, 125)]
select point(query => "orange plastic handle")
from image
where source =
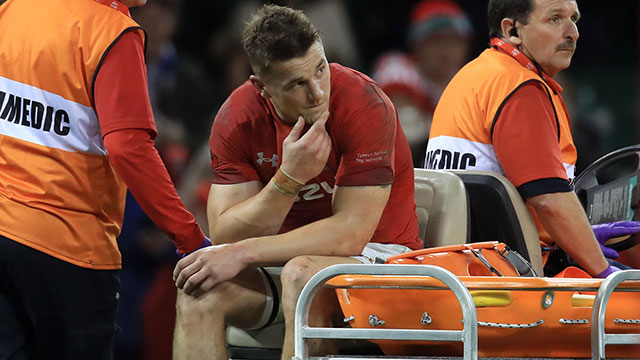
[(449, 248)]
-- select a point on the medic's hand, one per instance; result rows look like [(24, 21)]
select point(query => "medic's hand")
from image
[(607, 231), (608, 271), (304, 156), (206, 242), (201, 270)]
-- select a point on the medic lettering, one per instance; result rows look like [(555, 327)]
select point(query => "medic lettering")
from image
[(30, 113), (445, 159)]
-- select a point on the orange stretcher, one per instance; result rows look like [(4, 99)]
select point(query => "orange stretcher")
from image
[(517, 316)]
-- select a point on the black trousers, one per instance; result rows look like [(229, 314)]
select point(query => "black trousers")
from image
[(50, 309)]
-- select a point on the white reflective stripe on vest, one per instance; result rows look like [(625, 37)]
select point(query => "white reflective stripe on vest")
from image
[(448, 152), (570, 169), (48, 119)]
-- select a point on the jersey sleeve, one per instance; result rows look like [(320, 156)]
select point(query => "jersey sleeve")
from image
[(366, 141), (126, 120), (133, 155), (525, 139), (121, 96), (229, 161)]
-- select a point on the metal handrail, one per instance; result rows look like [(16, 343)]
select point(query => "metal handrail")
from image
[(599, 338), (468, 335)]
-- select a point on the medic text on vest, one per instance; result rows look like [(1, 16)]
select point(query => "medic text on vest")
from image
[(33, 114), (445, 159)]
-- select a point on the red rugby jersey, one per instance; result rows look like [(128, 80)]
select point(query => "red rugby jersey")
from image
[(246, 145)]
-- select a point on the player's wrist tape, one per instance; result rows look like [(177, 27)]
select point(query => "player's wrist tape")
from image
[(286, 183), (291, 177)]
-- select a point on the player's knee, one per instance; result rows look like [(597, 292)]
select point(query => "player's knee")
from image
[(297, 272), (194, 309), (295, 275)]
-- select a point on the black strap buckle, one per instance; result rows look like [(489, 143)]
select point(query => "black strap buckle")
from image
[(484, 260), (521, 264)]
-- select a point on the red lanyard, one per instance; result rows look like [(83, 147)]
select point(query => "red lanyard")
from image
[(525, 61), (116, 5)]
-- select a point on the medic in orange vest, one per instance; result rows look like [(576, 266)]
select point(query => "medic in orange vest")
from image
[(76, 130), (503, 112)]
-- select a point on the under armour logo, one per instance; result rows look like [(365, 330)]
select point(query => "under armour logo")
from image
[(273, 160)]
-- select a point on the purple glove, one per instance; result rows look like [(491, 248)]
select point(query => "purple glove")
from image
[(607, 231), (206, 242), (608, 271)]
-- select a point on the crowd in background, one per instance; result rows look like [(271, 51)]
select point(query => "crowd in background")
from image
[(194, 60)]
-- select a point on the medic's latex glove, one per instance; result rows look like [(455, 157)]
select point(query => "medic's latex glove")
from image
[(608, 271), (607, 231), (206, 242)]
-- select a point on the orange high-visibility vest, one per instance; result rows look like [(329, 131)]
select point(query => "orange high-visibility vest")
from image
[(59, 193), (460, 135)]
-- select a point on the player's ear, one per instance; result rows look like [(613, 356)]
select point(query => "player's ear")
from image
[(259, 85)]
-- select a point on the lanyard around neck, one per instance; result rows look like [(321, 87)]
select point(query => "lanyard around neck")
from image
[(524, 61), (117, 5)]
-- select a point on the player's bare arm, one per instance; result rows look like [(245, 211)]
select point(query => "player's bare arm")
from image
[(357, 210), (237, 211)]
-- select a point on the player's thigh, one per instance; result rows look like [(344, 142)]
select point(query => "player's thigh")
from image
[(240, 301)]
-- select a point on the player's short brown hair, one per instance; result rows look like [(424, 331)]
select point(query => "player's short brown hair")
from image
[(277, 33)]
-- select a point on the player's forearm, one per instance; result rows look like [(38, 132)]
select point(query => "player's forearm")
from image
[(356, 214), (260, 215), (564, 219), (332, 236)]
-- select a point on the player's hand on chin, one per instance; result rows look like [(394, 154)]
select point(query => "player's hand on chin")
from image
[(305, 155)]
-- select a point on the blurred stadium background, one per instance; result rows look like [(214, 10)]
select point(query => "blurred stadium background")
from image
[(195, 59)]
